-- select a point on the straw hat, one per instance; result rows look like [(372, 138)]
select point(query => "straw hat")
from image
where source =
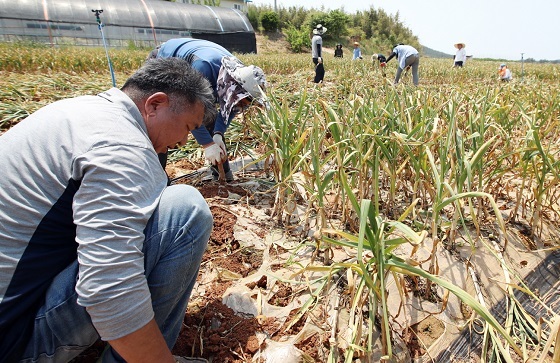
[(319, 30), (457, 45)]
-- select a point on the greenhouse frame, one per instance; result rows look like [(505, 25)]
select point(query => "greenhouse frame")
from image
[(142, 23)]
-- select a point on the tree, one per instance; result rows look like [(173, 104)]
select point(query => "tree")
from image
[(298, 38), (253, 16), (336, 23), (269, 21), (375, 29)]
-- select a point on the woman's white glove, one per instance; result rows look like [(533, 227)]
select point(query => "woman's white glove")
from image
[(219, 140), (216, 152)]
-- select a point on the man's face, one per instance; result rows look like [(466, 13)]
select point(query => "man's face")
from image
[(166, 128)]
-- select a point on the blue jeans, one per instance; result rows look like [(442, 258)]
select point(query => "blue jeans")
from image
[(176, 238)]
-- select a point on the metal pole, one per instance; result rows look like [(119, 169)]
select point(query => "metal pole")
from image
[(100, 26), (276, 11), (522, 67)]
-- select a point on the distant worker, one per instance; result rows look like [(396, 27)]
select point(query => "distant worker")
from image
[(408, 56), (317, 53), (338, 51), (380, 58), (504, 73), (236, 87), (357, 53), (460, 56)]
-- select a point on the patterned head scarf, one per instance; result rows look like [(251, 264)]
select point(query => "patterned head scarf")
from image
[(237, 82)]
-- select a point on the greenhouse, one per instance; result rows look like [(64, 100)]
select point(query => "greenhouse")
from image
[(145, 23)]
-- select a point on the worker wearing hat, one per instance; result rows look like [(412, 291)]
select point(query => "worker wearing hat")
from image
[(338, 53), (357, 52), (380, 58), (505, 73), (317, 52), (460, 56), (236, 87)]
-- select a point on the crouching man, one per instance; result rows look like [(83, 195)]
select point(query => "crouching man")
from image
[(93, 244)]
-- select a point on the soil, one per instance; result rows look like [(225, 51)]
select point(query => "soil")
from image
[(210, 328), (419, 337)]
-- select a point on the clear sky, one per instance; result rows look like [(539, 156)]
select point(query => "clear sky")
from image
[(489, 28)]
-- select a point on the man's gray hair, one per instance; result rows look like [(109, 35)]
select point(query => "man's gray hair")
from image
[(175, 77)]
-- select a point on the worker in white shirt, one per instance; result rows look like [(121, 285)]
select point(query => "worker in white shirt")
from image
[(460, 56)]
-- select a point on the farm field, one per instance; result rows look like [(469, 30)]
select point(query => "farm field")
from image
[(367, 221)]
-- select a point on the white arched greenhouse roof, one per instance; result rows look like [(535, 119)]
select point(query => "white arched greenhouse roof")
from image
[(143, 22)]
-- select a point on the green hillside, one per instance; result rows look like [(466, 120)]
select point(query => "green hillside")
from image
[(432, 53)]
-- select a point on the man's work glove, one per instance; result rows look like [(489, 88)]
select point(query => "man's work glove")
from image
[(319, 60)]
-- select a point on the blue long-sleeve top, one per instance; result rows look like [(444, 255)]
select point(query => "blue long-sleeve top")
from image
[(205, 57)]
